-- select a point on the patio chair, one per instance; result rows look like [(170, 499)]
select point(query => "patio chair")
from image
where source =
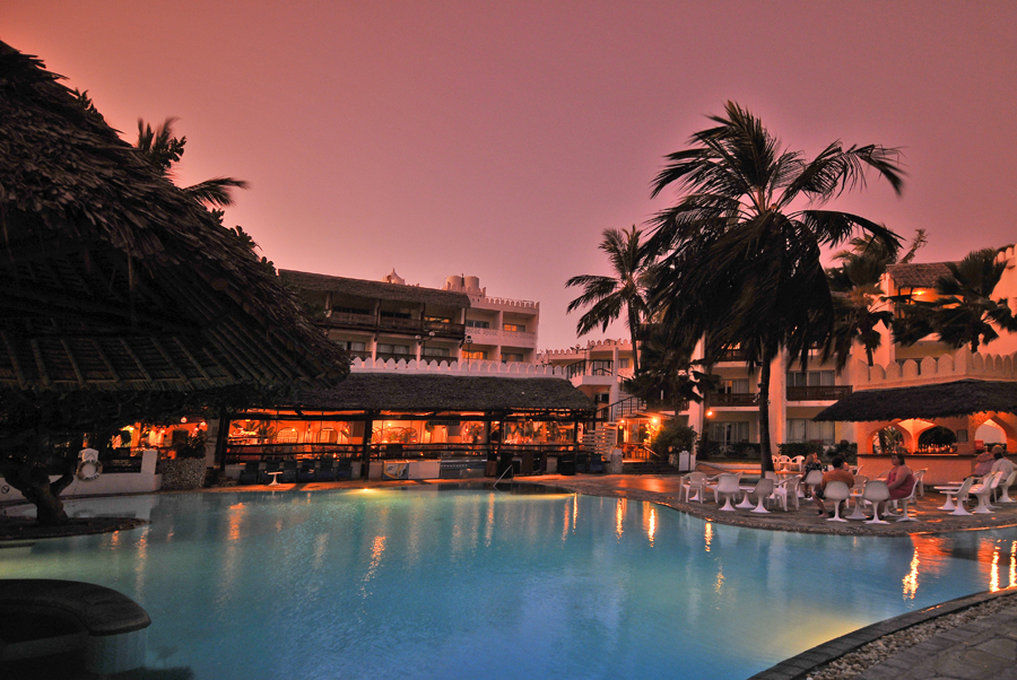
[(325, 471), (693, 486), (786, 492), (249, 475), (856, 492), (762, 491), (955, 497), (983, 492), (727, 486), (1004, 488), (837, 492), (906, 502), (306, 472), (813, 480), (920, 481), (875, 492), (797, 462), (781, 462)]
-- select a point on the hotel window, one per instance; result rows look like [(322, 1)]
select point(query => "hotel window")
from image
[(735, 432), (435, 351), (736, 386), (514, 327), (624, 362), (387, 348), (356, 346), (810, 378), (477, 323), (807, 430), (511, 356), (474, 354)]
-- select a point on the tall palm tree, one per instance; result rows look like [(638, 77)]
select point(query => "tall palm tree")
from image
[(160, 148), (741, 247), (964, 312), (855, 288), (608, 296)]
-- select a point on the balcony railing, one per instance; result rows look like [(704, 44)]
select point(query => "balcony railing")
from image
[(734, 354), (817, 392), (731, 399), (394, 323)]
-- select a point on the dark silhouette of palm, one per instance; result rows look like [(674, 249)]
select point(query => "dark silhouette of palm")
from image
[(608, 296), (160, 148), (740, 249), (964, 312)]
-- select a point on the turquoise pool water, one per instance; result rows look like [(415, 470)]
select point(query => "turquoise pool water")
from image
[(455, 583)]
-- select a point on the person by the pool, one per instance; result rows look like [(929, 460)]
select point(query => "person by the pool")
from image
[(1001, 463), (983, 463), (811, 463), (838, 473), (900, 480)]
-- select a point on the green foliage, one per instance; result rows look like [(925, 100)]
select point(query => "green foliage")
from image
[(672, 438), (195, 446), (793, 449)]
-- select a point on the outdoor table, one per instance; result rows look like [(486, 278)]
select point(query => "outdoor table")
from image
[(745, 502), (949, 490), (275, 477), (857, 513)]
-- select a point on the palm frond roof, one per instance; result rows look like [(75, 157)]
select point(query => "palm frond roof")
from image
[(918, 274), (937, 400), (428, 392), (113, 280), (380, 290)]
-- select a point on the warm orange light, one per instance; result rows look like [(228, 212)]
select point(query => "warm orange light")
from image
[(709, 414)]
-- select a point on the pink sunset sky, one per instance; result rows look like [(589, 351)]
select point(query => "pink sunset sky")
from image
[(500, 139)]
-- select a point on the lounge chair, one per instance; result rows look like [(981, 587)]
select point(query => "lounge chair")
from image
[(837, 492)]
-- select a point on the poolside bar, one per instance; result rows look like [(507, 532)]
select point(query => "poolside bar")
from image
[(403, 425)]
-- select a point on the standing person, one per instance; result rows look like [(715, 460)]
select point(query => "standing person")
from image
[(839, 473)]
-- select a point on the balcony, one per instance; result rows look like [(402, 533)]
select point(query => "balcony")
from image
[(733, 354), (731, 399), (352, 320), (817, 392), (394, 324)]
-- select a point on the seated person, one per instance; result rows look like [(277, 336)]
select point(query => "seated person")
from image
[(811, 463), (983, 464), (900, 480), (838, 473), (1001, 464)]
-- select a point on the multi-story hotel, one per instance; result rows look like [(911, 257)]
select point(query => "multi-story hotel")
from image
[(389, 319), (730, 417)]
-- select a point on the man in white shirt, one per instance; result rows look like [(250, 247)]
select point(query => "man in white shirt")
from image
[(1001, 463)]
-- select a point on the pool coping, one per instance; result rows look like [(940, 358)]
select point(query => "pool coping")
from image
[(801, 665)]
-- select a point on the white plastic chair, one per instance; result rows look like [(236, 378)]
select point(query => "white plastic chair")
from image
[(875, 493), (1004, 488), (813, 479), (797, 462), (727, 486), (762, 491), (908, 501), (955, 497), (856, 492), (787, 492), (983, 492), (920, 481), (694, 486), (837, 492)]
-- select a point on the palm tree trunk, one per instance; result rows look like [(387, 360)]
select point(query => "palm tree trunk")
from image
[(868, 355), (633, 329), (765, 458)]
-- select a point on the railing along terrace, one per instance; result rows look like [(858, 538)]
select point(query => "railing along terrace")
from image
[(120, 460), (239, 453), (817, 392), (359, 353), (731, 399), (733, 354)]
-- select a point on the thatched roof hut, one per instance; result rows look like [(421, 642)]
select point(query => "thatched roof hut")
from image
[(121, 295), (430, 392), (938, 400)]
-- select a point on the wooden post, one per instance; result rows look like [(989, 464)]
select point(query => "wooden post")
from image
[(365, 452), (221, 438)]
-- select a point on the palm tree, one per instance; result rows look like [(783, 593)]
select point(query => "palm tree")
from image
[(667, 375), (964, 312), (607, 296), (160, 148), (741, 247), (855, 290)]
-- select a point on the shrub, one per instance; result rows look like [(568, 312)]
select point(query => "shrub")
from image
[(673, 438), (793, 449)]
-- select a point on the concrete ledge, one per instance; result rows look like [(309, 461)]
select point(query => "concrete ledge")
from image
[(801, 665)]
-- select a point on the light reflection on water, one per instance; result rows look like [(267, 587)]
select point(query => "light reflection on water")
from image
[(419, 584)]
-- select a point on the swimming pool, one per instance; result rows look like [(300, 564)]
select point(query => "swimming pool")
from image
[(456, 583)]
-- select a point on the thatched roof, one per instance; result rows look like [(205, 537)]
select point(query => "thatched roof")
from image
[(426, 392), (115, 282), (918, 274), (938, 400), (377, 290)]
